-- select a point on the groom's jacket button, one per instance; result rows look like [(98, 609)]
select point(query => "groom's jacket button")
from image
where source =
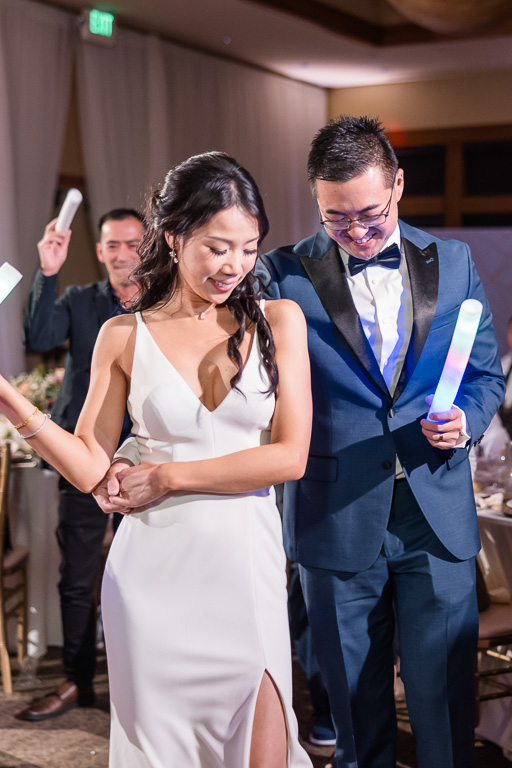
[(391, 413), (387, 464)]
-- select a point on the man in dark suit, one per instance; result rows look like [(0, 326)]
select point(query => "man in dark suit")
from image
[(77, 316), (383, 523)]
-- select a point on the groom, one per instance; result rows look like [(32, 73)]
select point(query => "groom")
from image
[(383, 524)]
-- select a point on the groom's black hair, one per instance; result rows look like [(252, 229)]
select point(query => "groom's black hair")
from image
[(348, 147)]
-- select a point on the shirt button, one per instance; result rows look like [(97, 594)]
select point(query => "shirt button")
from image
[(386, 464)]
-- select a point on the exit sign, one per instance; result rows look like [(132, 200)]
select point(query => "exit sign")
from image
[(101, 23), (98, 26)]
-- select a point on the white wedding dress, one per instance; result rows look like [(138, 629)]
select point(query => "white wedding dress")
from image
[(194, 592)]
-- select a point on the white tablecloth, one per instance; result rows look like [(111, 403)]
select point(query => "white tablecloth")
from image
[(496, 560), (33, 512)]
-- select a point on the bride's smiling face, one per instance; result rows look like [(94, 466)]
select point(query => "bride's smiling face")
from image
[(215, 258)]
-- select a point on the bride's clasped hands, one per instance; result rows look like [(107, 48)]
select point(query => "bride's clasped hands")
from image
[(127, 488)]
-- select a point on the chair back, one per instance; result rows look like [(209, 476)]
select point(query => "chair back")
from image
[(5, 466), (13, 591)]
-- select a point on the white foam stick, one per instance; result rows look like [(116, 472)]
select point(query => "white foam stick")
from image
[(457, 357), (68, 210), (9, 278)]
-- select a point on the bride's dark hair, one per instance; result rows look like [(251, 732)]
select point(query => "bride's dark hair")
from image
[(192, 193)]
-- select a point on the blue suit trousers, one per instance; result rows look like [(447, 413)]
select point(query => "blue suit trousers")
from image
[(420, 589)]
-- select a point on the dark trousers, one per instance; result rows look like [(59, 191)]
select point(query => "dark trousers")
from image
[(80, 534), (303, 642), (352, 618)]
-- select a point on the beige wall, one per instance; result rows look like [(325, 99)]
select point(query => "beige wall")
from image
[(483, 99)]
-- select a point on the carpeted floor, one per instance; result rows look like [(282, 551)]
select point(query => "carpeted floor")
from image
[(79, 739)]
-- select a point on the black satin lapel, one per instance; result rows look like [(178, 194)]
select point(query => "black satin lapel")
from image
[(423, 268), (330, 283)]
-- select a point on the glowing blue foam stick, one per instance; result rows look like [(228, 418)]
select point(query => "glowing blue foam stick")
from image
[(457, 357), (9, 278)]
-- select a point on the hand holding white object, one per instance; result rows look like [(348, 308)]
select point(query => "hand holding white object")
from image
[(53, 249), (443, 430)]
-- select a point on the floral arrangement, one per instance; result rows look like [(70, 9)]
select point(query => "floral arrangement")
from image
[(40, 386)]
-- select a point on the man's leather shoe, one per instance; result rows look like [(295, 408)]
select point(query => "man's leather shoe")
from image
[(66, 697)]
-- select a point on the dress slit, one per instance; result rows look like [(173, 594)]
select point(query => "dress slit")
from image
[(286, 724)]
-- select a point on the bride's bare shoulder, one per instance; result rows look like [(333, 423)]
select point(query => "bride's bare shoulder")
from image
[(119, 326), (283, 312), (117, 334)]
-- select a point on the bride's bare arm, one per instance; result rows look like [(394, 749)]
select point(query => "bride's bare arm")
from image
[(284, 458), (83, 458)]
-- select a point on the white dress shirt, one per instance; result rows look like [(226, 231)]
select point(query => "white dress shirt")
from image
[(383, 300)]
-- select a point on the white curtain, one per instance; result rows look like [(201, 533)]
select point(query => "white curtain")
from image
[(146, 105), (122, 119), (264, 120), (36, 48)]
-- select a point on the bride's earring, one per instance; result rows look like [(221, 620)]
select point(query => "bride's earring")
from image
[(173, 252)]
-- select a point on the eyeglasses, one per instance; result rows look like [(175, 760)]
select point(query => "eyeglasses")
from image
[(364, 221)]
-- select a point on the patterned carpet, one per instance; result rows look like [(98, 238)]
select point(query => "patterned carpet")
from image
[(79, 739)]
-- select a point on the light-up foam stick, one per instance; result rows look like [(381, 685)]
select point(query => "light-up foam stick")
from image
[(9, 278), (457, 357), (68, 210)]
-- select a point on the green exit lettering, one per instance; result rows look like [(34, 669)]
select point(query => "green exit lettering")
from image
[(100, 23)]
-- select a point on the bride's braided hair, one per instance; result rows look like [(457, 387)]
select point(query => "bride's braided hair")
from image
[(192, 193)]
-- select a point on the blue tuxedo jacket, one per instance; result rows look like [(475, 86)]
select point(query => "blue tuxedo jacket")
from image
[(336, 516)]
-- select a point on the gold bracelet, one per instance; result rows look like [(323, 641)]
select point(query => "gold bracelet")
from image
[(24, 423)]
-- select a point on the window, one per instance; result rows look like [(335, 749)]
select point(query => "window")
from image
[(456, 177)]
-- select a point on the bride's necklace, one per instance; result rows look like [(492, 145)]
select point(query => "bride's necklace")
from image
[(205, 311)]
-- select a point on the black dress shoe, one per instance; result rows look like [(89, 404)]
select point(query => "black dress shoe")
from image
[(66, 697)]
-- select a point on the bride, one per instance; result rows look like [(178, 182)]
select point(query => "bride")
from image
[(217, 385)]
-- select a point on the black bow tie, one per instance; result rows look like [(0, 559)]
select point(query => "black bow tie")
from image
[(389, 257)]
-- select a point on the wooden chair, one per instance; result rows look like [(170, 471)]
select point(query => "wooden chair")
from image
[(495, 630), (13, 579)]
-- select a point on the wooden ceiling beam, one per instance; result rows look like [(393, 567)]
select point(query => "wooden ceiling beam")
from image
[(329, 18), (347, 25)]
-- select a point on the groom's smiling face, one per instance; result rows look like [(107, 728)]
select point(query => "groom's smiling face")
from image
[(363, 196)]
